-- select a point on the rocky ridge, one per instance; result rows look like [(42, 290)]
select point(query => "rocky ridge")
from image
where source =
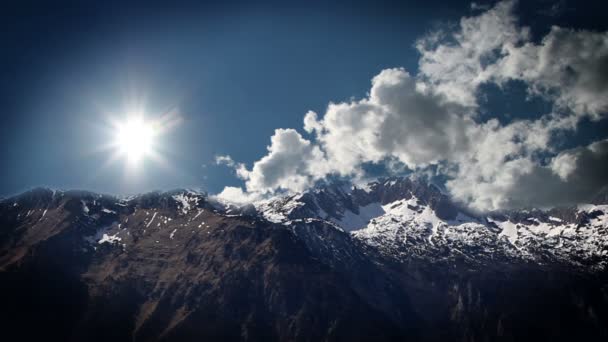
[(393, 260)]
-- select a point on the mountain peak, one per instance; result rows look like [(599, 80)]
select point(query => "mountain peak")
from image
[(351, 206), (178, 266)]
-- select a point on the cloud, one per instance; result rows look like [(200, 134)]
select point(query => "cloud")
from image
[(555, 9), (569, 67), (499, 158), (475, 6), (397, 120), (586, 166), (430, 120), (236, 195), (224, 160), (311, 122), (456, 63), (239, 168), (572, 176), (564, 165), (292, 163)]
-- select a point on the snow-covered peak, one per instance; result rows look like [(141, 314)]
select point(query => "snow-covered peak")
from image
[(187, 201), (352, 207), (405, 218), (409, 229)]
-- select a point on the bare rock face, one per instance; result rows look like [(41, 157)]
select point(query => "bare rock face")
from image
[(394, 261)]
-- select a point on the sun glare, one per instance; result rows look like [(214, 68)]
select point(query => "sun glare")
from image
[(135, 138)]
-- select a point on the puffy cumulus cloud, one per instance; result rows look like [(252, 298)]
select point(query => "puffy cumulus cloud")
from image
[(496, 161), (397, 120), (311, 122), (568, 66), (587, 166), (236, 195), (456, 63), (571, 177), (429, 121), (564, 165), (292, 163)]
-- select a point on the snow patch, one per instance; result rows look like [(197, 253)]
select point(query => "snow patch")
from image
[(102, 236), (200, 211), (111, 239), (186, 202), (152, 219), (509, 229), (85, 208), (351, 221), (555, 219)]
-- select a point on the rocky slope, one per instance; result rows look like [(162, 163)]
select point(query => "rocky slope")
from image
[(396, 260), (405, 219)]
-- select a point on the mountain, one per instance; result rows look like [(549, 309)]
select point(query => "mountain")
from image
[(394, 260), (405, 219)]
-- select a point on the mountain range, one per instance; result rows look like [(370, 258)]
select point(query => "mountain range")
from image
[(393, 260)]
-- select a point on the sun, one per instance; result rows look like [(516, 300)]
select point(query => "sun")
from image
[(137, 138), (134, 138)]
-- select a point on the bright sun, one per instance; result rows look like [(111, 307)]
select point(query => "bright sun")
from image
[(135, 138)]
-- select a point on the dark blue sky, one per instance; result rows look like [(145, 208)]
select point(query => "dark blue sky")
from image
[(236, 72)]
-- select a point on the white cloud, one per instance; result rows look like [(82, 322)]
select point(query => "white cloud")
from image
[(396, 120), (564, 165), (311, 123), (225, 160), (499, 157), (583, 165), (239, 168), (568, 66), (236, 195), (292, 163), (572, 176), (456, 63), (431, 119)]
